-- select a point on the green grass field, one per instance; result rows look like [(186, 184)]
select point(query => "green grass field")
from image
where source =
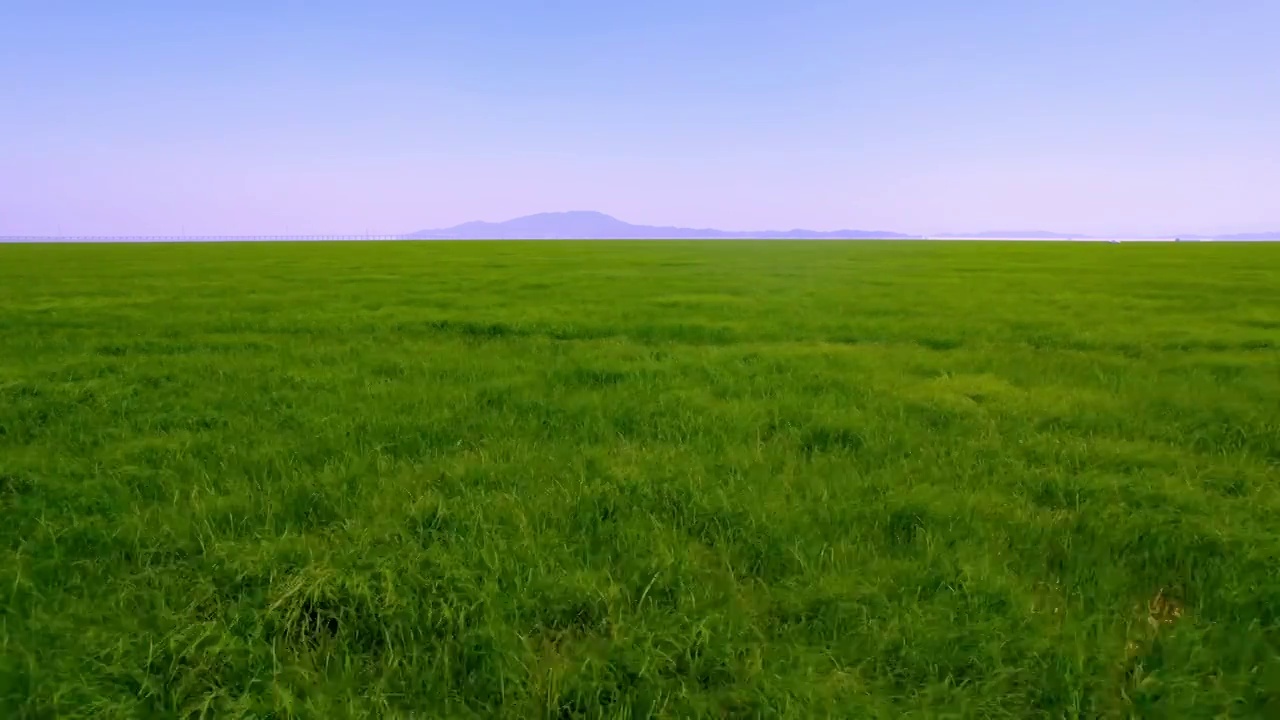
[(631, 479)]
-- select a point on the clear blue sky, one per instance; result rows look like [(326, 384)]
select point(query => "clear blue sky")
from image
[(1093, 116)]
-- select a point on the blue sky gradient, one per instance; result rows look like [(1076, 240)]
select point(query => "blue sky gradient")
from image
[(1120, 117)]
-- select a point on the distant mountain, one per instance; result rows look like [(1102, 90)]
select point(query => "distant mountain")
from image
[(1015, 235), (586, 225)]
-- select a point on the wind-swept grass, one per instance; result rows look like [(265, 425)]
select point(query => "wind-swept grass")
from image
[(640, 479)]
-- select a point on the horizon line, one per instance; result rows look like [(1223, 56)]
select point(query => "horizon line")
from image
[(406, 237)]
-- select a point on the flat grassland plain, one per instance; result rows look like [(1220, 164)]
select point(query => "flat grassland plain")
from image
[(630, 479)]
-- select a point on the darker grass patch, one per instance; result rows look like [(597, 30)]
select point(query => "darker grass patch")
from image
[(941, 344), (1059, 493), (476, 330), (316, 619), (469, 330), (390, 370), (435, 522), (596, 514), (1261, 324), (1222, 371), (825, 439), (1079, 424), (1216, 345), (707, 665), (1221, 434), (330, 614), (754, 548), (565, 606), (149, 348), (1165, 552), (1131, 550), (1076, 344), (311, 508), (491, 331), (824, 617), (589, 377), (112, 350), (684, 334), (933, 417), (14, 485), (904, 525), (574, 333), (1230, 484), (20, 391)]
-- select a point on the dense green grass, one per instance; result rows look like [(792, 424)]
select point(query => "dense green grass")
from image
[(638, 479)]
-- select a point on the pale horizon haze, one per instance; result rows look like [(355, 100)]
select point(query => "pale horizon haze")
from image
[(1121, 118)]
